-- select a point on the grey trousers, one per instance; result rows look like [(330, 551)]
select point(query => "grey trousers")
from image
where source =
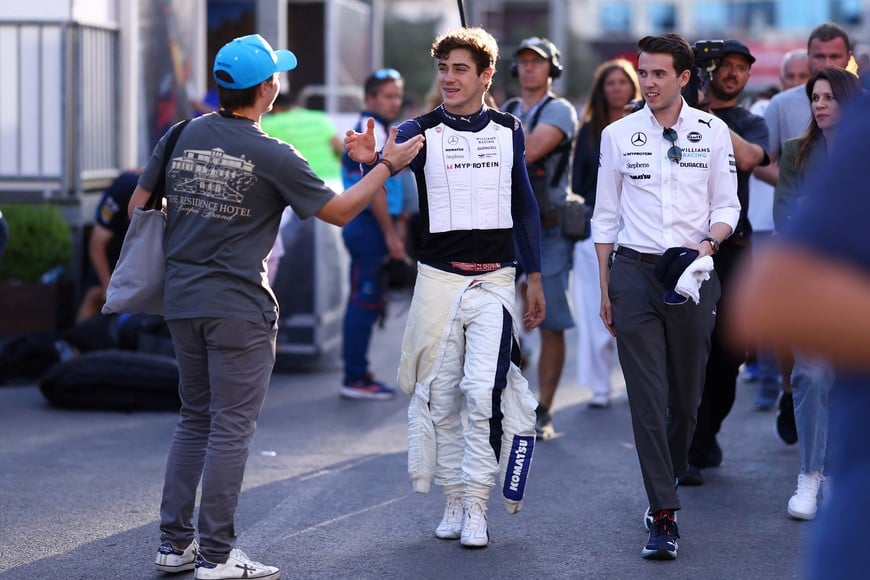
[(224, 367), (663, 351)]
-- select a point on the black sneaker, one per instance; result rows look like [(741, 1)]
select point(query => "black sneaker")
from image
[(662, 543), (785, 426), (712, 457), (543, 423), (692, 477)]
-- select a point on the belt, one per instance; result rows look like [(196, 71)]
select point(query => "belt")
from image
[(476, 266), (549, 221), (637, 256)]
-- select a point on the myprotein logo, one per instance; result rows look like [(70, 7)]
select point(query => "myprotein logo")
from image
[(474, 165), (517, 471)]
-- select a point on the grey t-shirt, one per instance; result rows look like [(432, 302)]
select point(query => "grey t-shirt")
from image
[(561, 114), (787, 116), (226, 187)]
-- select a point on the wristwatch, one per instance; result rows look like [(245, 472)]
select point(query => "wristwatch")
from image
[(714, 243)]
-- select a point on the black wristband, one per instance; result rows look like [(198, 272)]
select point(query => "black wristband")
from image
[(389, 165)]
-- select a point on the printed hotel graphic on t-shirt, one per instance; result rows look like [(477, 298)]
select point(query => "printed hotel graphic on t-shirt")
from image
[(213, 183)]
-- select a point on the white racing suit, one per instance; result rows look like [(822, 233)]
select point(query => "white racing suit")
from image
[(460, 340)]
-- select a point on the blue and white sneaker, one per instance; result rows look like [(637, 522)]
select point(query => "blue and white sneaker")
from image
[(367, 388), (171, 559), (648, 516), (662, 543)]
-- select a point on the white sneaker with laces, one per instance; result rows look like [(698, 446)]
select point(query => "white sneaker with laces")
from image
[(171, 559), (474, 532), (450, 527), (599, 401), (237, 567), (804, 502)]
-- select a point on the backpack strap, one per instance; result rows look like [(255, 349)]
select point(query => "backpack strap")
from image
[(563, 149)]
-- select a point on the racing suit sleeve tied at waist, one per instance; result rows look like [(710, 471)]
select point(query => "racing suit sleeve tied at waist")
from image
[(436, 302)]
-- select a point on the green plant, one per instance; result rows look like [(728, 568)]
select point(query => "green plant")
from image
[(39, 240)]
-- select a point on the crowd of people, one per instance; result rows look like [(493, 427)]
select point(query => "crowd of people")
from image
[(682, 185)]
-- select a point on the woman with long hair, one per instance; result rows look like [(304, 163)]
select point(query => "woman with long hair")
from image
[(614, 86), (829, 90)]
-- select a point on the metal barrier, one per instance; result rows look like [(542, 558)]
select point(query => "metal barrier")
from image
[(59, 108)]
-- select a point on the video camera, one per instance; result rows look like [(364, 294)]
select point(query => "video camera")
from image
[(707, 55)]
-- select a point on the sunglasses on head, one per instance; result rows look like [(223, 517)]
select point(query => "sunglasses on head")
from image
[(675, 154), (387, 73)]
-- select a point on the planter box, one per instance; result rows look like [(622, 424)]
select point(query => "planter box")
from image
[(28, 307)]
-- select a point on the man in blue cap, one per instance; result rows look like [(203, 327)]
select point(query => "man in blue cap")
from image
[(227, 184)]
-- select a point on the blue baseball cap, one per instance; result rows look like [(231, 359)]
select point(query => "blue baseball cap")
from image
[(250, 60)]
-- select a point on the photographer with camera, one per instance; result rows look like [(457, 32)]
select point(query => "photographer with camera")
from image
[(729, 65), (549, 123)]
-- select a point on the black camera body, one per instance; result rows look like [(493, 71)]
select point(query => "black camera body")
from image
[(707, 55)]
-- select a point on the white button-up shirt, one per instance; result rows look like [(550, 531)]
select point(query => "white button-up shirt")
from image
[(649, 203)]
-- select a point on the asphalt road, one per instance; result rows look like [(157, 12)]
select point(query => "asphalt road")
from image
[(326, 493)]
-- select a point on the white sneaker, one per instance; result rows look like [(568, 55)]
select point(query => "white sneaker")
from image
[(599, 401), (450, 527), (474, 533), (803, 503), (171, 559), (237, 567)]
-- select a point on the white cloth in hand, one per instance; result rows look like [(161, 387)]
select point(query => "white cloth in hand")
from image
[(698, 272)]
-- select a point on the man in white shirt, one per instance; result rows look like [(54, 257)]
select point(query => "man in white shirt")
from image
[(666, 178)]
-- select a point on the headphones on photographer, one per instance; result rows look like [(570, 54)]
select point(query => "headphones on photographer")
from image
[(555, 64)]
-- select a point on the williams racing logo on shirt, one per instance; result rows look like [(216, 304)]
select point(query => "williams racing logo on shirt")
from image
[(517, 471)]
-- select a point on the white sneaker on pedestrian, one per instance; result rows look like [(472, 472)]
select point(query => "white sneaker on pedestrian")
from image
[(599, 401), (450, 527), (170, 559), (804, 502), (237, 567), (474, 532)]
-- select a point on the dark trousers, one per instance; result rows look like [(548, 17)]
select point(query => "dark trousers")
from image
[(723, 366), (224, 368), (663, 352), (365, 303)]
